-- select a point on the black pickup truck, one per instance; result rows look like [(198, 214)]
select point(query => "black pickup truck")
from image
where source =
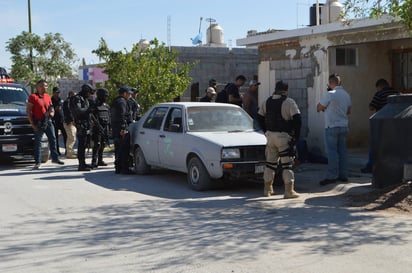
[(16, 133)]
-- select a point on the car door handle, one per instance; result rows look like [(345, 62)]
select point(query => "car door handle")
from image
[(142, 132), (162, 136)]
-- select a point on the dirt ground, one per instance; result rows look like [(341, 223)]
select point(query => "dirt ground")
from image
[(394, 199)]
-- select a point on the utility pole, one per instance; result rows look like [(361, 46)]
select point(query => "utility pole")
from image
[(31, 49)]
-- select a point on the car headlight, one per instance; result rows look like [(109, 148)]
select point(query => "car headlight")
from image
[(230, 153)]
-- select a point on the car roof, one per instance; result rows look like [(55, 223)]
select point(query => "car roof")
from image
[(12, 84), (192, 103)]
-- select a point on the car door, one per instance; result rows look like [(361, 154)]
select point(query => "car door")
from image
[(149, 134), (171, 142)]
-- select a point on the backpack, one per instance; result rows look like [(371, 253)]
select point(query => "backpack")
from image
[(223, 95)]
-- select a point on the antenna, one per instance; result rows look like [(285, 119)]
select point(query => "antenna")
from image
[(198, 39), (169, 30), (210, 20)]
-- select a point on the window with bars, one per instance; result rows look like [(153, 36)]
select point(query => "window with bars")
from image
[(402, 71), (346, 56)]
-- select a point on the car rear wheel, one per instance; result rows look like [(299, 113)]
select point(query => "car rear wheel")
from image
[(197, 175), (140, 164)]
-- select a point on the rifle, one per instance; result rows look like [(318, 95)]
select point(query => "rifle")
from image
[(101, 129), (45, 123)]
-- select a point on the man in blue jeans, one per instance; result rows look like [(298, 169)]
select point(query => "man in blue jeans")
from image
[(336, 104), (40, 113)]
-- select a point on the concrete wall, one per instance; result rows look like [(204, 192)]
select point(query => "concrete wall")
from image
[(304, 66), (374, 62), (67, 85), (306, 63), (221, 64)]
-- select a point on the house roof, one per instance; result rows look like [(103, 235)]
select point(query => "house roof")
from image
[(336, 27)]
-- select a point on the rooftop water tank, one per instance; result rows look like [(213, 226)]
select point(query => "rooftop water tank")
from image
[(312, 14), (143, 44), (391, 130), (331, 12), (214, 35)]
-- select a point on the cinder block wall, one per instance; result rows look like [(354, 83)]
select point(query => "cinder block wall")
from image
[(221, 64)]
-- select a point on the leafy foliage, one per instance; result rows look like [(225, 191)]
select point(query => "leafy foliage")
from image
[(153, 70), (35, 57), (376, 8)]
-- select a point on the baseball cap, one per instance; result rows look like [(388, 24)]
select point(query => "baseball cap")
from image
[(212, 82), (56, 89), (211, 90), (125, 89), (253, 82)]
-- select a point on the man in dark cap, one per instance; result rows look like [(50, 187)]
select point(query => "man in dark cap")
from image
[(134, 105), (250, 104), (100, 126), (280, 119), (58, 118), (80, 108), (121, 118)]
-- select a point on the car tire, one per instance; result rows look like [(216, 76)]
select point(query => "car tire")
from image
[(197, 175), (140, 164)]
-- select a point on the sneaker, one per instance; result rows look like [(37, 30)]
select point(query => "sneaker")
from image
[(71, 157), (325, 182), (58, 161), (36, 166)]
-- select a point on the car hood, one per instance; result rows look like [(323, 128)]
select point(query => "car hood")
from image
[(231, 139), (11, 110)]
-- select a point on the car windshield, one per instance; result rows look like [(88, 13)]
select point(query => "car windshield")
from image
[(13, 95), (215, 119)]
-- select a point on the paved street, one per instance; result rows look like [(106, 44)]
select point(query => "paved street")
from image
[(60, 220)]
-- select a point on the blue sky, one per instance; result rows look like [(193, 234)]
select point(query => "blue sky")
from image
[(124, 22)]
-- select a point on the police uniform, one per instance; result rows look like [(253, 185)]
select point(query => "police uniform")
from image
[(120, 120), (100, 130), (80, 107), (281, 121)]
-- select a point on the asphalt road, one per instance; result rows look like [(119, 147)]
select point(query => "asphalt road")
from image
[(59, 220)]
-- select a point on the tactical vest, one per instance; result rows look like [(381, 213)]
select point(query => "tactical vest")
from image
[(273, 119), (103, 114)]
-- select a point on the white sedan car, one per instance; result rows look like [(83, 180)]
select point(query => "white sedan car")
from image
[(208, 141)]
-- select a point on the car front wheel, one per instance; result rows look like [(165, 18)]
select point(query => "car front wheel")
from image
[(197, 175), (140, 164)]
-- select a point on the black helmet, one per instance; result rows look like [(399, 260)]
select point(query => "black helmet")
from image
[(102, 92), (87, 88)]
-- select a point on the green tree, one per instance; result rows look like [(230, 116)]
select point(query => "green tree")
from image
[(35, 57), (154, 70), (376, 8)]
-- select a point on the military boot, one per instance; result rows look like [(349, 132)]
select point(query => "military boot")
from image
[(268, 190), (289, 191)]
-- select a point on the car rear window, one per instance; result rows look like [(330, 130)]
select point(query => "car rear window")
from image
[(214, 119)]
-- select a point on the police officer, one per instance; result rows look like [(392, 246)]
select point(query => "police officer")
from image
[(121, 118), (280, 118), (135, 110), (100, 130), (80, 107)]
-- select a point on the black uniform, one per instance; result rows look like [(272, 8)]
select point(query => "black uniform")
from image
[(58, 121), (80, 108), (135, 110), (121, 118), (100, 128)]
